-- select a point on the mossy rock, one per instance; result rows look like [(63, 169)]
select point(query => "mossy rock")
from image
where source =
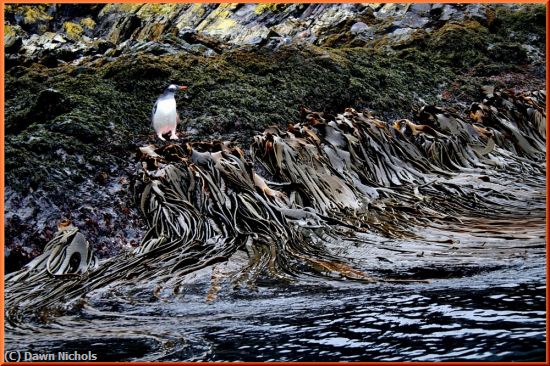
[(506, 52), (523, 24), (460, 45)]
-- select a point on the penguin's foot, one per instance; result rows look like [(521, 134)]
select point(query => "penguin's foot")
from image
[(173, 136), (160, 137)]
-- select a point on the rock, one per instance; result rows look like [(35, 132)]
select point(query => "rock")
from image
[(358, 28), (13, 60), (420, 9), (449, 12), (507, 52), (119, 27), (533, 53), (12, 43), (99, 46), (35, 19), (13, 38), (275, 43), (476, 12), (50, 47), (190, 36), (401, 35), (50, 103), (153, 48), (392, 10), (74, 127), (412, 20)]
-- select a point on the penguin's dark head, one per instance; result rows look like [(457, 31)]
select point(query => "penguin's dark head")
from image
[(172, 88)]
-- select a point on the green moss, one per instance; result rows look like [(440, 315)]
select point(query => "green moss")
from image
[(337, 39), (460, 44), (522, 24)]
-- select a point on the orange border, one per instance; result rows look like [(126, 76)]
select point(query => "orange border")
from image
[(2, 310)]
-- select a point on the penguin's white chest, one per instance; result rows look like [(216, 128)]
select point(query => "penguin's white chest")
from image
[(165, 117)]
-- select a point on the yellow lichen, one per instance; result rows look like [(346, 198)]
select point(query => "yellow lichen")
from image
[(149, 10), (123, 7), (9, 31), (198, 10), (73, 30), (273, 7), (33, 13), (222, 24), (218, 20), (87, 23)]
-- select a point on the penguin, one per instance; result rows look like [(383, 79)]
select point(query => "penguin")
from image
[(165, 117)]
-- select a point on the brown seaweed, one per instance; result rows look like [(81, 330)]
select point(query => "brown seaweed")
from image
[(298, 193)]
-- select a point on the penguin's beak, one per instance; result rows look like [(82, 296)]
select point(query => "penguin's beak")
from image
[(183, 87)]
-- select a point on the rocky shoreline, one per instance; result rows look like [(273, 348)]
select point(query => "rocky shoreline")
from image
[(327, 199), (81, 80)]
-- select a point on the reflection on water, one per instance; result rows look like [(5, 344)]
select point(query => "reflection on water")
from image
[(494, 316)]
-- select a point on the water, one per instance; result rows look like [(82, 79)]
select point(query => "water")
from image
[(493, 316), (485, 301)]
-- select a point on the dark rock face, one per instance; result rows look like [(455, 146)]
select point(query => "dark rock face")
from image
[(81, 81)]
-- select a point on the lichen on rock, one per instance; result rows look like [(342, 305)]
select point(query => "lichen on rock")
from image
[(73, 30)]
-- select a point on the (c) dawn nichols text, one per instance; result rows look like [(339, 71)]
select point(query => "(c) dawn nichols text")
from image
[(57, 356)]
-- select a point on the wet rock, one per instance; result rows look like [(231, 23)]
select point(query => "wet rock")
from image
[(74, 127), (102, 178)]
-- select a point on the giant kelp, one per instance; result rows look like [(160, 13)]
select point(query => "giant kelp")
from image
[(298, 193)]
